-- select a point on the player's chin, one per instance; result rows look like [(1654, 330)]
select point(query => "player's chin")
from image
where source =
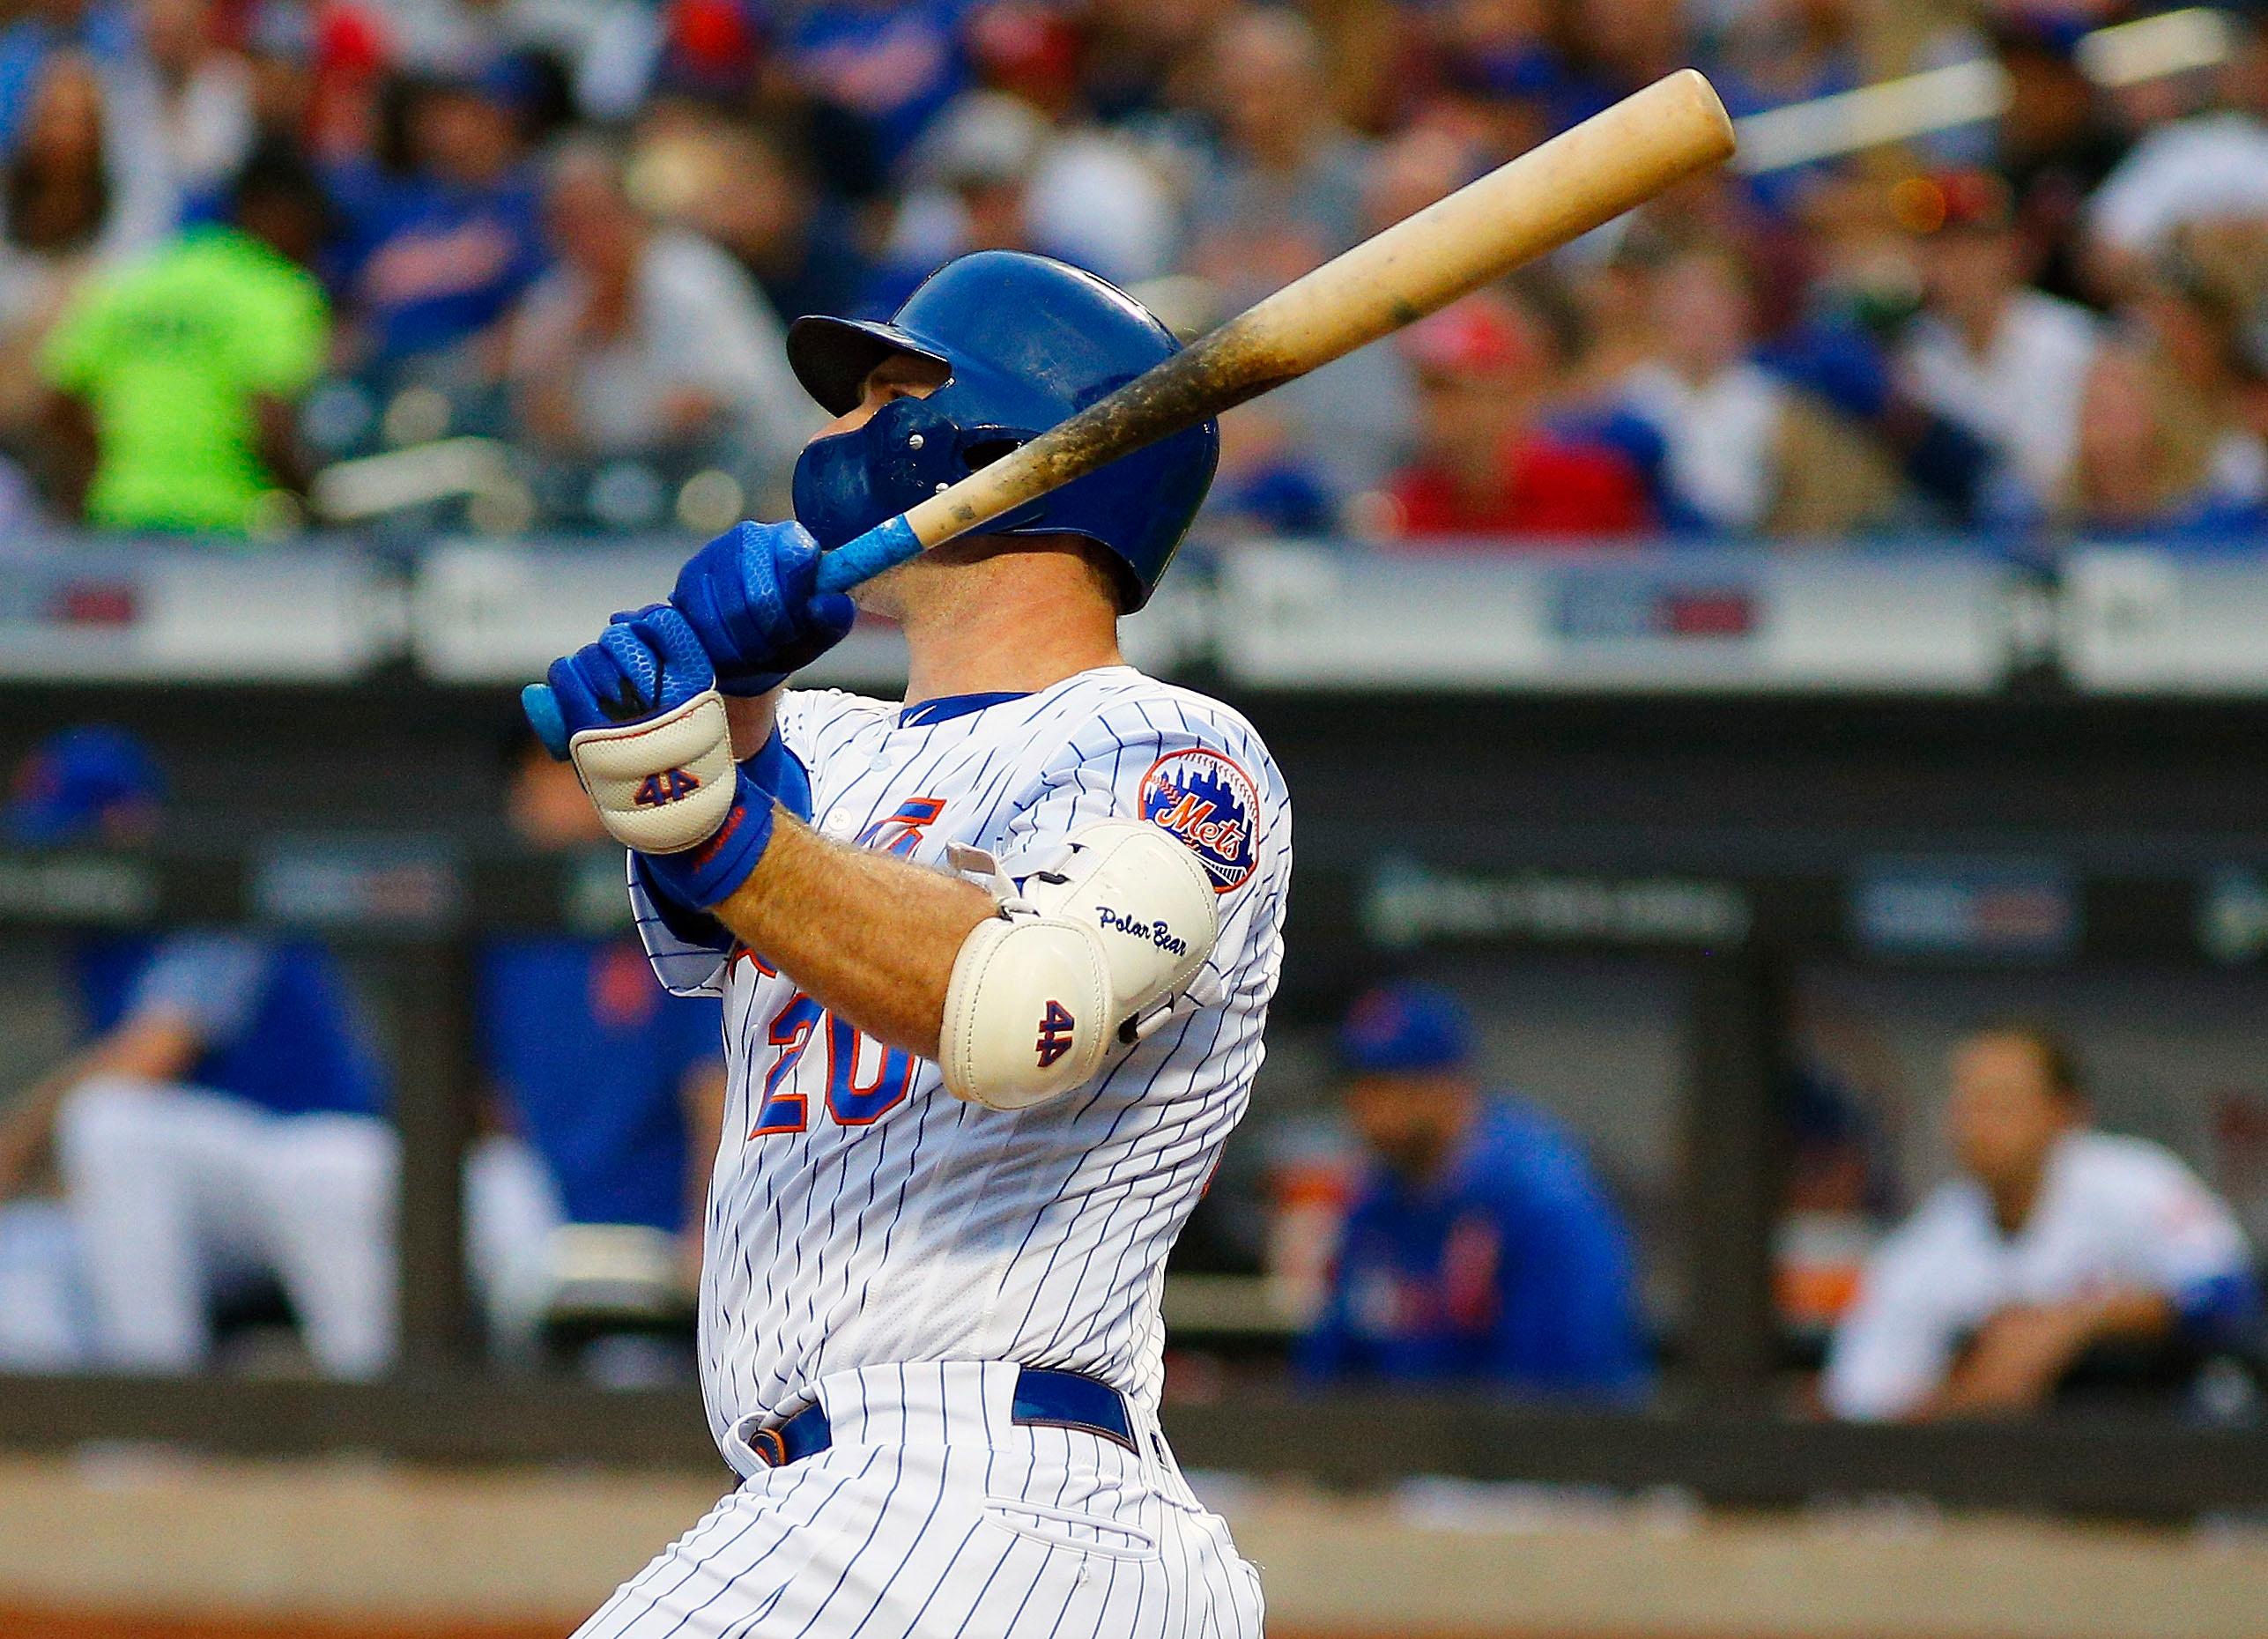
[(885, 595)]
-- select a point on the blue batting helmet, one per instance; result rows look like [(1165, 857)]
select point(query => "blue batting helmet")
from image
[(1029, 342)]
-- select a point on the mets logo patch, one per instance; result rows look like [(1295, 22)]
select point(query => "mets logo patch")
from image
[(1211, 805)]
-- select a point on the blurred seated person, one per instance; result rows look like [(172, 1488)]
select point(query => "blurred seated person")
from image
[(745, 190), (2155, 458), (2056, 1243), (1481, 1247), (619, 1085), (2209, 165), (1744, 451), (175, 378), (63, 215), (102, 41), (1486, 467), (648, 340), (1268, 483), (2004, 359), (442, 243), (884, 66), (203, 91), (992, 174), (222, 1120)]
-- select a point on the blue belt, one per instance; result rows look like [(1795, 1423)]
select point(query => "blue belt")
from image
[(1043, 1399)]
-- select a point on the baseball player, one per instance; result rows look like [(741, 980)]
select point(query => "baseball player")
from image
[(995, 962), (2053, 1240)]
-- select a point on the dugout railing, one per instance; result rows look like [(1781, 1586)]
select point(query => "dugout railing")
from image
[(1733, 837)]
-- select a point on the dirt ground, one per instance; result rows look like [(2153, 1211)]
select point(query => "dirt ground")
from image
[(156, 1546)]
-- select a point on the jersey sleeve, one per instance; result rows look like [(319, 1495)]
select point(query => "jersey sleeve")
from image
[(1895, 1343), (689, 952), (1196, 771), (2187, 1237), (814, 722), (697, 1037), (1567, 1317), (281, 350)]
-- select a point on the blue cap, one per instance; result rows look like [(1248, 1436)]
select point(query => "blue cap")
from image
[(1400, 1028), (75, 779)]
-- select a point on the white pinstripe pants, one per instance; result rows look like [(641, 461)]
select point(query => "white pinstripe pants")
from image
[(934, 1516)]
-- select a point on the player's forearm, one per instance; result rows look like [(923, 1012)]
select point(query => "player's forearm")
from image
[(2125, 1314), (153, 1050), (873, 938)]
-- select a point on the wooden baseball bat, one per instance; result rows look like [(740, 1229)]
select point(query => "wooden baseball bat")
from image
[(1618, 157)]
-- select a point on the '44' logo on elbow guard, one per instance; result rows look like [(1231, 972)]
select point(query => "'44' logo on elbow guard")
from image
[(1057, 1031), (658, 790)]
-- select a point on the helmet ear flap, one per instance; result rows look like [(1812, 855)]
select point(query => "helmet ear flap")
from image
[(848, 483)]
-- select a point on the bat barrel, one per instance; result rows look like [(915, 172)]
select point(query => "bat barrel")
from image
[(1554, 193)]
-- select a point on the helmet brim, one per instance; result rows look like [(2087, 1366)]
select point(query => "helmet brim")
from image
[(832, 356)]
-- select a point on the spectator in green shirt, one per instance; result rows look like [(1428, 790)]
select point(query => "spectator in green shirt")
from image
[(176, 376)]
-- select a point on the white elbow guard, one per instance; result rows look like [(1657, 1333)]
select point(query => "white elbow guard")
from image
[(1087, 956)]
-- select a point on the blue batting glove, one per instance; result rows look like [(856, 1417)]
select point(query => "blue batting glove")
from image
[(647, 730), (704, 877), (752, 596), (646, 662)]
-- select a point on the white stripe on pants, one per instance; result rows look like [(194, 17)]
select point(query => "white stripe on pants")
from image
[(933, 1513)]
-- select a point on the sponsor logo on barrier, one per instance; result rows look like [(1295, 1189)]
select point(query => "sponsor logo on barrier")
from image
[(2025, 910), (1604, 606), (1410, 903)]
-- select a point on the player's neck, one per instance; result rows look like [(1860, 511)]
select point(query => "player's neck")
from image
[(1019, 633), (2014, 1196)]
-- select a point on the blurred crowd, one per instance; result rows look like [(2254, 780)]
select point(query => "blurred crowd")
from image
[(267, 265)]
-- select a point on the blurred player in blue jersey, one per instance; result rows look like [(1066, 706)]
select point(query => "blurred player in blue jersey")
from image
[(618, 1084), (222, 1121), (1481, 1247)]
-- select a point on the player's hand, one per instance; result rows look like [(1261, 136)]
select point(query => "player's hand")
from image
[(648, 732), (752, 596)]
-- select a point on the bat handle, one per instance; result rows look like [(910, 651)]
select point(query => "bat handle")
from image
[(542, 707), (861, 558)]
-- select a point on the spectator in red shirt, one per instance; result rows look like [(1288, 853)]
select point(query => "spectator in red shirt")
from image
[(1486, 465)]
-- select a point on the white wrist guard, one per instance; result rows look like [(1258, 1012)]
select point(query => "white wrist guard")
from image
[(663, 785), (1086, 959)]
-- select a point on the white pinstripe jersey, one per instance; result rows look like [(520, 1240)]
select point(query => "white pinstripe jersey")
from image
[(859, 1215)]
